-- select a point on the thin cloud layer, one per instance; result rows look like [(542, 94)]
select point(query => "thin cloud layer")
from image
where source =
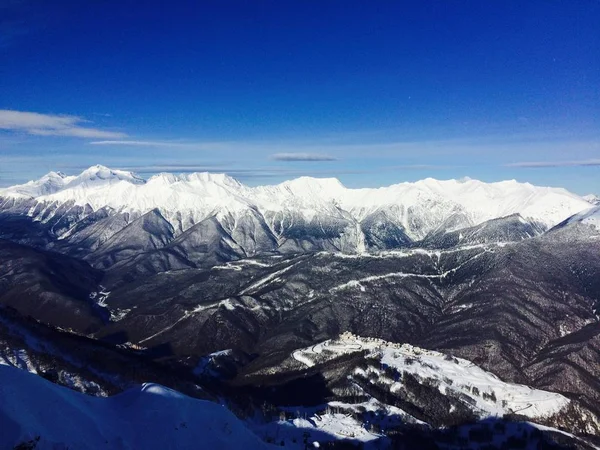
[(291, 157), (166, 144), (544, 164), (51, 125), (173, 168), (141, 143)]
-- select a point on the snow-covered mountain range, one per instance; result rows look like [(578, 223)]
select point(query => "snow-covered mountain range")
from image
[(111, 272), (304, 213)]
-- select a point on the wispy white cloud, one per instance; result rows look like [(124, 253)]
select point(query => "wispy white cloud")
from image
[(166, 144), (253, 147), (422, 167), (293, 157), (172, 168), (141, 143), (544, 164), (52, 125), (482, 150)]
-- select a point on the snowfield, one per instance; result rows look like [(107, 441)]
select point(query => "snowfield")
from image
[(148, 417)]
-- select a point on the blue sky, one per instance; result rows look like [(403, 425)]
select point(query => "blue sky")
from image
[(370, 92)]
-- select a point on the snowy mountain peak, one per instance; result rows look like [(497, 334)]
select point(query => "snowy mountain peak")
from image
[(48, 184), (99, 174), (57, 178), (592, 198), (164, 178), (54, 174), (197, 179), (214, 178), (307, 186)]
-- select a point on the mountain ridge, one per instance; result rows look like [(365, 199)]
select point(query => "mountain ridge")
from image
[(184, 200)]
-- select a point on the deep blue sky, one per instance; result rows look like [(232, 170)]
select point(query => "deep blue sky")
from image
[(384, 91)]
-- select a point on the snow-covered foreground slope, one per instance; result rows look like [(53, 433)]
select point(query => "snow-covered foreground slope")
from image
[(149, 417), (417, 208), (486, 393)]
